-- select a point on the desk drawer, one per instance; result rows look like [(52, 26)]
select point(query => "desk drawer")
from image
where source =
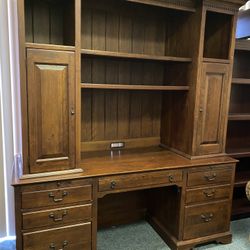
[(70, 237), (54, 217), (208, 194), (130, 181), (58, 196), (209, 176), (203, 220)]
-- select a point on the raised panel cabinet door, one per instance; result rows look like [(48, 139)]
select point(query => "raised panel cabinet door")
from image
[(51, 105), (212, 119)]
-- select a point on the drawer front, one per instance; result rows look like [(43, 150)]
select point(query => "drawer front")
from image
[(71, 237), (56, 197), (210, 176), (139, 180), (203, 220), (208, 194), (54, 217)]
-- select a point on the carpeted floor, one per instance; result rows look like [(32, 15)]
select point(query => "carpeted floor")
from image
[(141, 236)]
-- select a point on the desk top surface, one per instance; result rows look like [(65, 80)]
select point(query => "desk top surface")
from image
[(126, 162)]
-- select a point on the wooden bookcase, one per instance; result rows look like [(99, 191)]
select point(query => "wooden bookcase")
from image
[(238, 136)]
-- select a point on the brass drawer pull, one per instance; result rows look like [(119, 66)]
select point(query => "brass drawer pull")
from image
[(210, 177), (51, 195), (207, 218), (53, 246), (57, 218), (171, 178), (209, 194), (112, 184)]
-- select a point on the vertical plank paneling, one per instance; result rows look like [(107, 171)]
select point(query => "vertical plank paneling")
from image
[(147, 107), (112, 34), (86, 103), (98, 101), (111, 101), (41, 22), (138, 35), (56, 27), (124, 101), (98, 30), (125, 34), (86, 34), (98, 75), (135, 101), (29, 21)]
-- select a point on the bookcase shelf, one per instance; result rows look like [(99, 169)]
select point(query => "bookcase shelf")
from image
[(241, 80), (239, 117), (185, 7), (134, 56), (133, 87)]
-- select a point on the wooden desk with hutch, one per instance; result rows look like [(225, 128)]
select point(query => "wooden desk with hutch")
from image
[(125, 108)]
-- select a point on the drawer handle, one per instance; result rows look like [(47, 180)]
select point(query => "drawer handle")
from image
[(207, 218), (112, 184), (57, 218), (53, 246), (51, 195), (210, 177), (209, 194), (171, 178)]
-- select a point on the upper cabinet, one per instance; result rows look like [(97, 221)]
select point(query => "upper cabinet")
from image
[(214, 95), (51, 109)]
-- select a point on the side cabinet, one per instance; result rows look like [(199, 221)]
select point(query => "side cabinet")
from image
[(213, 105), (51, 105)]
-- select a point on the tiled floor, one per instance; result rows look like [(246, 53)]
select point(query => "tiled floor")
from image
[(141, 236)]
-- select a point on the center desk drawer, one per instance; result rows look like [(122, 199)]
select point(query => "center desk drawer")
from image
[(207, 175), (69, 237), (60, 196), (57, 216), (133, 181)]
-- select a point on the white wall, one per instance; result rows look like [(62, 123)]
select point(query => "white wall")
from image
[(10, 136)]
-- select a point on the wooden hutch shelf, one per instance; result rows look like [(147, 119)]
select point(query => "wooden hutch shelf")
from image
[(239, 117), (134, 56), (133, 87), (241, 81), (163, 4)]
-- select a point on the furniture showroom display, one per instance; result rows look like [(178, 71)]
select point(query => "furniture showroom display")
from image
[(125, 109)]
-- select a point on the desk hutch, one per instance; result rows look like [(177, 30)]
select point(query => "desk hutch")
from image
[(125, 110)]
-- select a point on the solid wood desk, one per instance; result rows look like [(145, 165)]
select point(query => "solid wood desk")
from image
[(188, 202)]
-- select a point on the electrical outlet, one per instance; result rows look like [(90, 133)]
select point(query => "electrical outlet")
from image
[(117, 145)]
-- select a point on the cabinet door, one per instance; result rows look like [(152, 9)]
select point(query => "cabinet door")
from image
[(51, 105), (212, 119)]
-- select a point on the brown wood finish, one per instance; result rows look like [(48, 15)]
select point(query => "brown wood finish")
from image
[(213, 109), (210, 175), (54, 197), (207, 194), (207, 219), (55, 217), (100, 72), (51, 106), (138, 181), (72, 237)]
